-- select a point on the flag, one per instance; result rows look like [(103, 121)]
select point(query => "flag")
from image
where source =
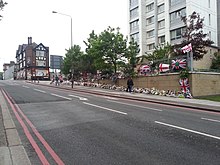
[(178, 63), (144, 69), (184, 83), (187, 48), (164, 67)]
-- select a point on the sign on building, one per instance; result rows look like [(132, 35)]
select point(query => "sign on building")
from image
[(56, 62)]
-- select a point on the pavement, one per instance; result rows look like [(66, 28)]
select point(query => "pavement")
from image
[(11, 149)]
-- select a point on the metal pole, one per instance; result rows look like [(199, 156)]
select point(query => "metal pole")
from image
[(71, 32), (71, 26)]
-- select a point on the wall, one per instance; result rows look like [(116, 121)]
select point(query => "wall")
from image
[(205, 84), (201, 84), (9, 73)]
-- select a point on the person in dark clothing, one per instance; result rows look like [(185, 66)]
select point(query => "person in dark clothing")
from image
[(129, 84)]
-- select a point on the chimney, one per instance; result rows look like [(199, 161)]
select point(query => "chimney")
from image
[(29, 40)]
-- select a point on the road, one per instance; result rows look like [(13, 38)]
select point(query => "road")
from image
[(69, 127)]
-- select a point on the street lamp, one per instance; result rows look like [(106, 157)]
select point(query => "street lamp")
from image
[(71, 25)]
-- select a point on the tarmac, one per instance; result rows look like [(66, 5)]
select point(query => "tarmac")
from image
[(11, 149)]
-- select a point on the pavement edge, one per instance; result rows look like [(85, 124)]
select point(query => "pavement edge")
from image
[(14, 152)]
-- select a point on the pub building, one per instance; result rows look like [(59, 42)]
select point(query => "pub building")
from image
[(32, 61)]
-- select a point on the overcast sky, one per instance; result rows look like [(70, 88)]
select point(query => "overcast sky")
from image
[(34, 18)]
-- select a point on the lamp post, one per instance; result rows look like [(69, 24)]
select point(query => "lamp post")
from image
[(71, 25)]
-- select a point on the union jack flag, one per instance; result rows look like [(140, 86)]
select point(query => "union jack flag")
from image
[(184, 83), (179, 63)]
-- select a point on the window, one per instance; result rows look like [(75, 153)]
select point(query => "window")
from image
[(135, 37), (134, 25), (161, 8), (177, 33), (134, 13), (150, 46), (175, 2), (177, 14), (161, 39), (209, 19), (150, 20), (133, 3), (161, 24), (40, 53), (210, 34), (150, 33), (150, 7)]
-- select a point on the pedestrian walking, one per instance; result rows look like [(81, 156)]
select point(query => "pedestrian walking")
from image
[(56, 80), (130, 84)]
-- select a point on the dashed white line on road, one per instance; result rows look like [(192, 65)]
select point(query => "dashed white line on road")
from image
[(53, 94), (189, 130), (80, 98), (154, 109), (108, 109), (25, 86), (210, 119), (39, 90)]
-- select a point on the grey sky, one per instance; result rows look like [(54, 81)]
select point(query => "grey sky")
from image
[(25, 18)]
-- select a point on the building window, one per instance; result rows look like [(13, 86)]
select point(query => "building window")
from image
[(209, 19), (133, 3), (134, 13), (150, 33), (161, 39), (134, 25), (175, 2), (150, 20), (161, 24), (177, 14), (40, 53), (135, 37), (160, 8), (150, 46), (150, 7), (177, 33)]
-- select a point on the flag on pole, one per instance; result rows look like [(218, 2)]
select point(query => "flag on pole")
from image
[(187, 48)]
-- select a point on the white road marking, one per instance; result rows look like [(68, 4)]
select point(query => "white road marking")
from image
[(136, 105), (25, 86), (111, 98), (39, 90), (61, 96), (189, 130), (210, 119), (80, 98), (105, 108)]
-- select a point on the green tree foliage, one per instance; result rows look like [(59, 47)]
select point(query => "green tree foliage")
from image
[(131, 56), (107, 49), (216, 61), (161, 53), (194, 34), (2, 5), (73, 60)]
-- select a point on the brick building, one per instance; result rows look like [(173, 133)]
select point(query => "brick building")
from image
[(32, 61)]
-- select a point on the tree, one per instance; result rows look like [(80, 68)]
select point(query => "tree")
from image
[(194, 34), (216, 61), (2, 5), (72, 61), (108, 49), (131, 56)]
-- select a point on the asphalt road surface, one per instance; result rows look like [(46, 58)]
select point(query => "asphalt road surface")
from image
[(73, 128)]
